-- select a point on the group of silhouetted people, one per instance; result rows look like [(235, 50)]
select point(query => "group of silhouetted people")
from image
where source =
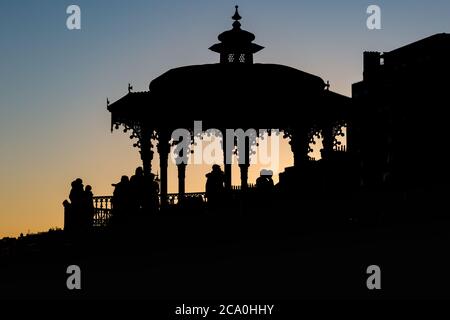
[(215, 185), (80, 209), (132, 197), (139, 195), (135, 196)]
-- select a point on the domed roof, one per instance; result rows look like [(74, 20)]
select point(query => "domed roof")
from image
[(204, 89), (230, 77), (230, 94)]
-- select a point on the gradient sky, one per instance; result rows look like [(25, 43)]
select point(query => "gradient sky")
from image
[(54, 126)]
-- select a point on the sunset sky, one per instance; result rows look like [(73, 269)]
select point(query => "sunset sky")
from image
[(54, 125)]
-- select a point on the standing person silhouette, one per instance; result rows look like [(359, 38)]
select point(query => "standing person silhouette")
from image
[(121, 199), (76, 197), (265, 188), (214, 186), (264, 182), (88, 211), (137, 191), (150, 200)]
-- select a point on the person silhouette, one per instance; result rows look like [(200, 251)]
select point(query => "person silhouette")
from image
[(264, 182), (88, 211), (76, 193), (137, 191), (150, 199), (76, 206), (121, 198), (214, 186), (154, 192)]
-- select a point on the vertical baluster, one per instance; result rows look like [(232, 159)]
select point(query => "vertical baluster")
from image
[(94, 220), (105, 211), (95, 211), (109, 206), (102, 210)]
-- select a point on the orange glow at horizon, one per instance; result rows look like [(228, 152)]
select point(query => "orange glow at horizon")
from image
[(41, 208)]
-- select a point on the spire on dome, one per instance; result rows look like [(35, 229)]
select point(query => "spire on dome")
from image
[(236, 17), (236, 44)]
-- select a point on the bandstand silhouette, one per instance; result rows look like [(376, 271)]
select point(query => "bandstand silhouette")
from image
[(235, 93)]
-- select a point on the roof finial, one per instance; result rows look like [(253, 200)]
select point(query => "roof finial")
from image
[(236, 16)]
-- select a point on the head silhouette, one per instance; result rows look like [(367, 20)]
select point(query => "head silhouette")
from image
[(266, 173), (139, 171)]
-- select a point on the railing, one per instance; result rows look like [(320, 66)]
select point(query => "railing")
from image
[(102, 210), (340, 148), (174, 198), (103, 205), (238, 188)]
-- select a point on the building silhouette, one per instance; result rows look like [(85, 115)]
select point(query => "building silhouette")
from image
[(400, 123), (231, 94)]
